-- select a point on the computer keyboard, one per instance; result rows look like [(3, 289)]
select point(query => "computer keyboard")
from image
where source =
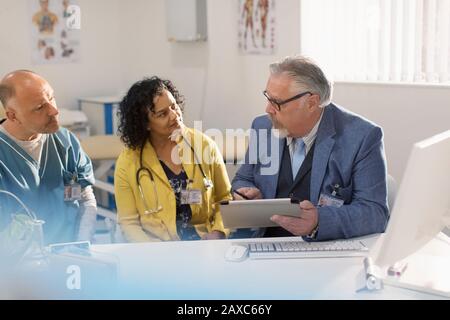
[(302, 249)]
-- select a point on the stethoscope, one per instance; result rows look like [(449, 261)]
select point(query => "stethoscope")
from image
[(207, 183)]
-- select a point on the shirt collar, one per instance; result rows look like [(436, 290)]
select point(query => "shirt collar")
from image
[(310, 137), (24, 143)]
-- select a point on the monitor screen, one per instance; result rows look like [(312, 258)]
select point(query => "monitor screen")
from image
[(421, 209)]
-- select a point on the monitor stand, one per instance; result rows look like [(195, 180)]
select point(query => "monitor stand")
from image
[(426, 271)]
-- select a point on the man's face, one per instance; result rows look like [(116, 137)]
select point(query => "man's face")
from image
[(34, 107), (295, 118), (167, 116)]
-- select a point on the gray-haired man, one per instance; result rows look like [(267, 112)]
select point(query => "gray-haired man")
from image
[(327, 157)]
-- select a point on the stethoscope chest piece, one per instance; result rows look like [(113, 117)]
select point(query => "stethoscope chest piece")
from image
[(207, 183), (152, 211)]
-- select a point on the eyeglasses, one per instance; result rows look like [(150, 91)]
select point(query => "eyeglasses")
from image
[(278, 104)]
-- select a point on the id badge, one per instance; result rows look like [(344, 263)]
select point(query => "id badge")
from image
[(330, 201), (72, 192), (76, 191), (191, 196), (67, 193)]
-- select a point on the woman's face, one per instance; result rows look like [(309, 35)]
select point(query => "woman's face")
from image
[(166, 116)]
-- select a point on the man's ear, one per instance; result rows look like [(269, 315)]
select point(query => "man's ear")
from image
[(11, 115), (313, 102)]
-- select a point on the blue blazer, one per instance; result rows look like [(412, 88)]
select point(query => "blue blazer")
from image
[(348, 151)]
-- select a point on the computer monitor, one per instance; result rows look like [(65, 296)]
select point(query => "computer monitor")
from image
[(422, 207)]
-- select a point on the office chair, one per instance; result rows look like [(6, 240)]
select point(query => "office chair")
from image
[(103, 151), (391, 191)]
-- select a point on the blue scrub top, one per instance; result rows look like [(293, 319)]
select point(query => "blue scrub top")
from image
[(41, 185)]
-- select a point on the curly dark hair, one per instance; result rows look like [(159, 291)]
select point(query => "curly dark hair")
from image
[(135, 106)]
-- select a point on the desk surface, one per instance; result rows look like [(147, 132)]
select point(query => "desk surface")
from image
[(101, 100), (198, 270)]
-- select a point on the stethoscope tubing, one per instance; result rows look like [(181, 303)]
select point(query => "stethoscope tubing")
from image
[(149, 172)]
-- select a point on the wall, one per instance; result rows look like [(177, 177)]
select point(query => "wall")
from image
[(98, 72), (234, 95), (123, 41), (215, 78), (407, 113), (223, 87), (146, 52)]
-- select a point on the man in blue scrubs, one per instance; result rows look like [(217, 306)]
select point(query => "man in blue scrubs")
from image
[(42, 163)]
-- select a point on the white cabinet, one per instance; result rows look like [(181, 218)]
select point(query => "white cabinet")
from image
[(101, 113), (186, 20)]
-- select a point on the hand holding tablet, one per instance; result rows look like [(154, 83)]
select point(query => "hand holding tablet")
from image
[(256, 213)]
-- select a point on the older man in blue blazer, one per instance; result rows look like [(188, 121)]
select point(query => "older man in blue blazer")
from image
[(310, 149)]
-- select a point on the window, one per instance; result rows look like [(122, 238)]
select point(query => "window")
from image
[(379, 40)]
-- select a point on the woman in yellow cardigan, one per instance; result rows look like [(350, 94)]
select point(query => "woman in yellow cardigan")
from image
[(169, 178)]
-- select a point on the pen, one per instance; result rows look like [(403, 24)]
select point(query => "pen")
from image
[(240, 194)]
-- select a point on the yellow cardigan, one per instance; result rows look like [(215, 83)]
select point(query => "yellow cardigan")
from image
[(140, 227)]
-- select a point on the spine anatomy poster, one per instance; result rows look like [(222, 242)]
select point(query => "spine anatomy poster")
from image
[(257, 26)]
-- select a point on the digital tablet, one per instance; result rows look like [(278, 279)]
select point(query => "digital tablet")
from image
[(256, 213)]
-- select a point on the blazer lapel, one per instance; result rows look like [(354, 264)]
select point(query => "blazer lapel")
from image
[(323, 147), (272, 179)]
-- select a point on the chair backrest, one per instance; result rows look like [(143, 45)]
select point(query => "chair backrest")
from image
[(391, 191), (102, 147), (2, 112), (104, 150)]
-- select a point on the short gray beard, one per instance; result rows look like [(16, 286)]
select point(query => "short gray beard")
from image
[(277, 129)]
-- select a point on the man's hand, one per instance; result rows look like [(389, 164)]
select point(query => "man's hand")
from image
[(249, 193), (214, 235), (302, 226)]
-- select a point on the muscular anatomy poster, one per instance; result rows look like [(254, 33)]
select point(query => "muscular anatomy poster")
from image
[(257, 26), (55, 34)]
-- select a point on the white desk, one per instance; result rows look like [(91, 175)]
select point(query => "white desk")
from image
[(198, 270)]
